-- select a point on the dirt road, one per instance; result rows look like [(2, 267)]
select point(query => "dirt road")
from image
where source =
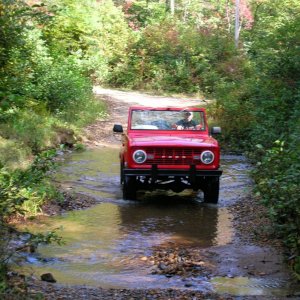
[(118, 102)]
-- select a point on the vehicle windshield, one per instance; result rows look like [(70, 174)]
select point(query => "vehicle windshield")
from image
[(167, 120)]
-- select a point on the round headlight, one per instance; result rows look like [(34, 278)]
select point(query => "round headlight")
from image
[(207, 157), (139, 156)]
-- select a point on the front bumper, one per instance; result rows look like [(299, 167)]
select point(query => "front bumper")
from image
[(155, 173)]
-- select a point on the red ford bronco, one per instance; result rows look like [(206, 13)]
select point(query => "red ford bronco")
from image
[(169, 148)]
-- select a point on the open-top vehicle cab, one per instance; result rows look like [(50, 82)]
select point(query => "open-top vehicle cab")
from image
[(169, 148)]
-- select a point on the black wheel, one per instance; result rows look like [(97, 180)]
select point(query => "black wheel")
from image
[(211, 190), (129, 188), (121, 173)]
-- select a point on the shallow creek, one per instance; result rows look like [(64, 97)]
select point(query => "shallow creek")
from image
[(107, 245)]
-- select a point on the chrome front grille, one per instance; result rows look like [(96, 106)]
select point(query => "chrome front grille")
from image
[(171, 156)]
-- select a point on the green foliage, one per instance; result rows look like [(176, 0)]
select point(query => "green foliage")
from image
[(279, 189), (94, 32), (29, 128), (23, 191), (261, 111), (79, 147), (143, 13), (44, 238), (65, 90), (40, 86), (45, 84), (169, 56), (13, 155)]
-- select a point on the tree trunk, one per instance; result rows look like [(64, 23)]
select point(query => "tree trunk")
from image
[(237, 23)]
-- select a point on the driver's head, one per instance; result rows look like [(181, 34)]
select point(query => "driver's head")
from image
[(188, 115)]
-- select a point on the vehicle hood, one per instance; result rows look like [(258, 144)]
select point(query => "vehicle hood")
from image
[(172, 141)]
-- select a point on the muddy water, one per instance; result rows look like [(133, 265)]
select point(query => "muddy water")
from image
[(106, 245)]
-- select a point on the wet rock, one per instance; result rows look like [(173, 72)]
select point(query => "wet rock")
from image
[(65, 136), (27, 248), (161, 266), (261, 273), (188, 284), (177, 262), (73, 201), (48, 277)]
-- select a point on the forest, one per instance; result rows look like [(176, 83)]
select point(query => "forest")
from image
[(53, 52)]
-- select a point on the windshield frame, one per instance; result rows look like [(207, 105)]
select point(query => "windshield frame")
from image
[(141, 119)]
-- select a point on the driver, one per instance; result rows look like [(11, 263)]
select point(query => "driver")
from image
[(187, 122)]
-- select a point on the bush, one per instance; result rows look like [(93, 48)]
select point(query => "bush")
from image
[(13, 155), (95, 32), (279, 190), (261, 113), (38, 88), (64, 88), (28, 129), (172, 56), (28, 188)]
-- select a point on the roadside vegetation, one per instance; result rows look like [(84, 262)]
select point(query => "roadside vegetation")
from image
[(52, 52)]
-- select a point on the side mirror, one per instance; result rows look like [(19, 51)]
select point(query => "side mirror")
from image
[(118, 128), (215, 130)]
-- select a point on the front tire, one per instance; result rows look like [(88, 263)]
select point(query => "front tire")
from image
[(211, 190), (121, 173), (129, 188)]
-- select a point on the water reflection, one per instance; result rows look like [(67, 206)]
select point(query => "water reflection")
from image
[(183, 220), (104, 244)]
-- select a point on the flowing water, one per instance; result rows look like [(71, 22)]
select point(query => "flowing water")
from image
[(105, 244)]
